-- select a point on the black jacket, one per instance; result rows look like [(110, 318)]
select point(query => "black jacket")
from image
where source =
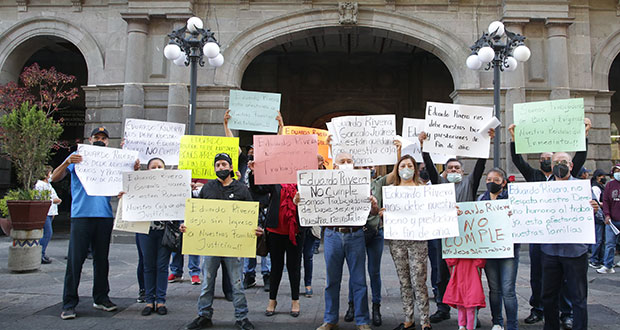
[(236, 191), (535, 175), (273, 211)]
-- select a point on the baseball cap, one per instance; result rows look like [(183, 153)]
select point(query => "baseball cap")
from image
[(100, 129), (223, 156)]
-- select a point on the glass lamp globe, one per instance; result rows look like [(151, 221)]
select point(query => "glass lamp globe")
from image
[(510, 64), (217, 61), (181, 60), (211, 49), (496, 25), (522, 53), (172, 52), (486, 54), (193, 24), (473, 62)]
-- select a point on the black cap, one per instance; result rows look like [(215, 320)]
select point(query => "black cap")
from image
[(223, 156), (100, 129)]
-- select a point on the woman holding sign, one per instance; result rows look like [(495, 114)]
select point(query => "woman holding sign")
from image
[(501, 273), (410, 256)]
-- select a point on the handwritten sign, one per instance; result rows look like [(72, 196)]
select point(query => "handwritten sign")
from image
[(254, 111), (321, 135), (370, 139), (333, 197), (549, 126), (277, 158), (198, 154), (452, 129), (140, 227), (100, 171), (552, 212), (411, 129), (151, 138), (156, 195), (220, 228), (485, 232), (420, 212)]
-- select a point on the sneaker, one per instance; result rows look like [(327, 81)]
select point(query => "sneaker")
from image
[(376, 315), (308, 293), (46, 260), (249, 281), (439, 316), (605, 270), (68, 314), (107, 306), (244, 324), (363, 327), (350, 314), (328, 326), (196, 280), (533, 318), (141, 296), (617, 264), (497, 327), (567, 323), (595, 266), (174, 278), (201, 322)]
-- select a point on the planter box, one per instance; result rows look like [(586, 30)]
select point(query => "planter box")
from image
[(28, 215)]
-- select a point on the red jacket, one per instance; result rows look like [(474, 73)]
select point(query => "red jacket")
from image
[(465, 286)]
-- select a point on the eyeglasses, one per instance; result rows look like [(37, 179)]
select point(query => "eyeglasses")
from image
[(561, 162)]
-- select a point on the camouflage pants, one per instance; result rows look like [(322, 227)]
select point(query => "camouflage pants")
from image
[(410, 260)]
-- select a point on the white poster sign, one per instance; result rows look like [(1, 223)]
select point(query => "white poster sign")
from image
[(156, 195), (154, 139), (370, 139), (411, 129), (140, 227), (100, 171)]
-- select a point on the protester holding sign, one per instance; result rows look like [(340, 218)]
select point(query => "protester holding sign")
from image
[(406, 173), (91, 227), (465, 188), (543, 174), (611, 208)]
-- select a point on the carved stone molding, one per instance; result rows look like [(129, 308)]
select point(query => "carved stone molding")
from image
[(348, 12), (77, 5), (22, 5)]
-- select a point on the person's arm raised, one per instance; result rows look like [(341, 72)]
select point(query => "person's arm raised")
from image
[(60, 172), (428, 162), (524, 167)]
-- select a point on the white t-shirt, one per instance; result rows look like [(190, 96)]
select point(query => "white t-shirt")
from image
[(42, 185)]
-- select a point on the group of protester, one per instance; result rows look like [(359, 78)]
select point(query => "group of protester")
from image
[(557, 276)]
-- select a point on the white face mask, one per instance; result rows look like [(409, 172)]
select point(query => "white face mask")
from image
[(617, 176), (345, 166), (454, 177)]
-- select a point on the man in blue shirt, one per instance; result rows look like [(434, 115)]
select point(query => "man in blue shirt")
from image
[(91, 226)]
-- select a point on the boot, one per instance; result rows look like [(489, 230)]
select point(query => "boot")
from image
[(376, 315), (350, 315), (266, 282)]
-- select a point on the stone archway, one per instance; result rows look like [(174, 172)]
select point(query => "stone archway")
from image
[(240, 52), (609, 49), (16, 45)]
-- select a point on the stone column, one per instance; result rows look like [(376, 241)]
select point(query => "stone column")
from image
[(178, 77), (133, 90), (557, 57)]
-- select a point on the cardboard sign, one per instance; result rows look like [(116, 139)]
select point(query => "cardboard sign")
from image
[(100, 171), (411, 145), (140, 227), (156, 195), (552, 212), (198, 154), (254, 111), (452, 129), (333, 197), (321, 135), (220, 228), (485, 231), (154, 139), (370, 139), (549, 126), (420, 213), (277, 158)]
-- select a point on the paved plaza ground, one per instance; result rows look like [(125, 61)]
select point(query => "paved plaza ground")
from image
[(33, 300)]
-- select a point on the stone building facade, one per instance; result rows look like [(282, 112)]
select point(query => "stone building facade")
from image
[(327, 58)]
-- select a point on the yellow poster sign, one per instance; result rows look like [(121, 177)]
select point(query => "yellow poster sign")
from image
[(220, 228), (198, 152), (321, 136)]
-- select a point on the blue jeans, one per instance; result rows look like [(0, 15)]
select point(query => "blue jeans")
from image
[(47, 234), (156, 259), (374, 251), (338, 248), (434, 256), (140, 268), (209, 272), (536, 275), (176, 265), (598, 248), (249, 265), (308, 255), (502, 276), (610, 244)]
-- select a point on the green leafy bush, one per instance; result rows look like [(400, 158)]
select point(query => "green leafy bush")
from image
[(21, 195)]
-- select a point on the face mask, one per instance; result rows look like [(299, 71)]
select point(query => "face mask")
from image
[(405, 173), (560, 171), (617, 176), (545, 165), (493, 187), (222, 174), (345, 167), (424, 175), (250, 157), (373, 173), (454, 177), (603, 180), (99, 143)]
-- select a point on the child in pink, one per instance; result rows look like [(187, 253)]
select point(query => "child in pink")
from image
[(464, 290)]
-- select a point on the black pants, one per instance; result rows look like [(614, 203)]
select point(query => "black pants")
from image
[(444, 278), (575, 271), (279, 246), (85, 233)]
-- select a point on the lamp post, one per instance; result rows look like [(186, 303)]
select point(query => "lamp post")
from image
[(501, 50), (187, 46)]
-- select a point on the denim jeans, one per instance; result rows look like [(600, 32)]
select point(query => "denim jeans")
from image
[(338, 248), (176, 265), (598, 248), (140, 268), (308, 255), (249, 265), (210, 266), (610, 244), (502, 276), (536, 275), (85, 233), (156, 259), (434, 256), (575, 271), (47, 234), (374, 251)]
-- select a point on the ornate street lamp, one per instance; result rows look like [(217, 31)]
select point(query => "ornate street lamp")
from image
[(501, 50), (187, 46)]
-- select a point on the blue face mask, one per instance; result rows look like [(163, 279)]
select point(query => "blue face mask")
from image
[(617, 176)]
